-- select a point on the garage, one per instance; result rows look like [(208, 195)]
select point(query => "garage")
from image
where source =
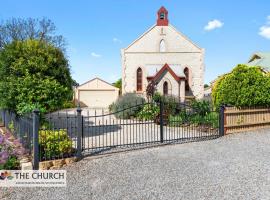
[(96, 93)]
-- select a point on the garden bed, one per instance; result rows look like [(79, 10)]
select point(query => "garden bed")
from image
[(11, 151)]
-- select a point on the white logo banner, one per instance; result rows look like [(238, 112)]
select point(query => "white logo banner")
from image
[(33, 178)]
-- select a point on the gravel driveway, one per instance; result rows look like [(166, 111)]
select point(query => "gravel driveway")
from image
[(232, 167)]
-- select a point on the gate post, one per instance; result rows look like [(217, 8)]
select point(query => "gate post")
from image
[(161, 120), (221, 120), (35, 139), (79, 130)]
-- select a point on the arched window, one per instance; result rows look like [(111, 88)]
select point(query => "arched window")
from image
[(162, 47), (139, 79), (186, 72), (165, 88)]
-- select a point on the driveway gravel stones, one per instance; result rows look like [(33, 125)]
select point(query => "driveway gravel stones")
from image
[(232, 167)]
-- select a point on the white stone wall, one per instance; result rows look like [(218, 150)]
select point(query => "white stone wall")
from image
[(179, 50)]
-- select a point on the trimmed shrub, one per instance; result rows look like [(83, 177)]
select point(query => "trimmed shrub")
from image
[(127, 106), (244, 86), (54, 143)]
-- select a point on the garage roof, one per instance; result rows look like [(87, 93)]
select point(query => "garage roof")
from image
[(97, 84)]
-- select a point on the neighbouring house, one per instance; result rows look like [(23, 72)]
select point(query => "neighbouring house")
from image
[(96, 93), (261, 59), (167, 57)]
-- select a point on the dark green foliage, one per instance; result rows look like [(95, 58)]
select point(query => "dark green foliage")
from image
[(12, 163), (127, 105), (244, 86), (169, 102), (210, 119), (201, 107), (157, 97), (149, 112), (198, 114), (68, 104), (34, 74)]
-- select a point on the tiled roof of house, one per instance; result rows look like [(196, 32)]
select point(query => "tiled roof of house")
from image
[(261, 59)]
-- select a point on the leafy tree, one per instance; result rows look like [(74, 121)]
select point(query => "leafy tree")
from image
[(24, 29), (118, 84), (206, 86), (34, 74), (244, 86)]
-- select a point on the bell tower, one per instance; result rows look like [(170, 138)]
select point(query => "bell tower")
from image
[(162, 17)]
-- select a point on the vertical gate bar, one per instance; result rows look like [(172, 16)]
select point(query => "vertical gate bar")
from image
[(221, 120), (79, 130), (35, 139), (102, 130), (161, 121), (83, 136)]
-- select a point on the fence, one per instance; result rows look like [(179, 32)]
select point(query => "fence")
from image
[(245, 119), (174, 123), (20, 126), (57, 134), (77, 133)]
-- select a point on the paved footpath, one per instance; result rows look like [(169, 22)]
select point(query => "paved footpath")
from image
[(232, 167)]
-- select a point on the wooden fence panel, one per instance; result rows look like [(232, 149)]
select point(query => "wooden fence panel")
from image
[(245, 119)]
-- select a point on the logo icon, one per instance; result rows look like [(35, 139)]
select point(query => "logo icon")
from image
[(6, 175)]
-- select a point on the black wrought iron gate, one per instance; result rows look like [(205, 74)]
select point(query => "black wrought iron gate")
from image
[(156, 123)]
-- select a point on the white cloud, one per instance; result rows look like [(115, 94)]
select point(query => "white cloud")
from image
[(265, 30), (116, 40), (213, 25), (95, 55)]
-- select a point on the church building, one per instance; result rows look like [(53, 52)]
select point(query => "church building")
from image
[(164, 55)]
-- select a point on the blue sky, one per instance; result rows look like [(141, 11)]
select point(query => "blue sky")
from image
[(97, 30)]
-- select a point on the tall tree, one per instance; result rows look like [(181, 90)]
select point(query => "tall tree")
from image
[(22, 29), (34, 74)]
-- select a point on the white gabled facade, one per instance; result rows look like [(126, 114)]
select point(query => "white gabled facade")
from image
[(163, 44)]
